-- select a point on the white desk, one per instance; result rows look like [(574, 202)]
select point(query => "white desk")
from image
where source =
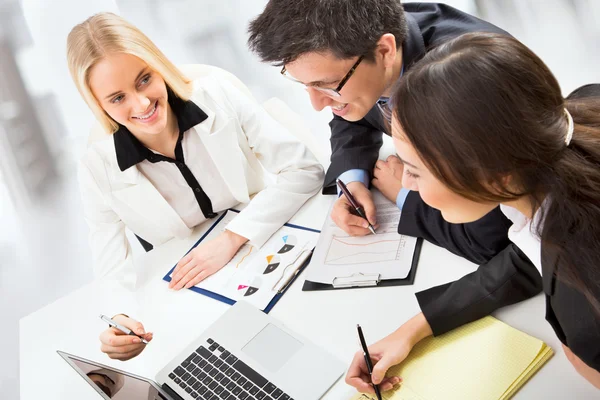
[(329, 318)]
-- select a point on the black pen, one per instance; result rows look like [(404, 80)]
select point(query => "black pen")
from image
[(365, 350), (354, 204)]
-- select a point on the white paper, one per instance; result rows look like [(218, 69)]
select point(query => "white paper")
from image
[(255, 275), (339, 255)]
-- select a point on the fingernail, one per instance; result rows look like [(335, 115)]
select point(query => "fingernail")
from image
[(137, 340), (140, 332)]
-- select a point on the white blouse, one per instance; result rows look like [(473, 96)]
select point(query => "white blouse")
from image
[(170, 183), (522, 233)]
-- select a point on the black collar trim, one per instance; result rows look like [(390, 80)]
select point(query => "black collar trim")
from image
[(130, 151)]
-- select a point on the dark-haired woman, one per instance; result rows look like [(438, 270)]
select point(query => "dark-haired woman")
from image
[(481, 122)]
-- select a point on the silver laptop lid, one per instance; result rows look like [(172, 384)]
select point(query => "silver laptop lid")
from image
[(114, 384)]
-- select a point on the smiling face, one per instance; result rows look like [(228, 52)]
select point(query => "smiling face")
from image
[(131, 93), (454, 208), (360, 93)]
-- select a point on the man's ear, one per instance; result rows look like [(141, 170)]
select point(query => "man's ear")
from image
[(386, 49)]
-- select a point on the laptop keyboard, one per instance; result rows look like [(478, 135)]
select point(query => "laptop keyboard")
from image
[(213, 373)]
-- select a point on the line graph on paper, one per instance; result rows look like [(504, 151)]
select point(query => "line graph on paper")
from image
[(344, 250)]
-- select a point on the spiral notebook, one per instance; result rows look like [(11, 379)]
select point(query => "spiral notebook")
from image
[(484, 360)]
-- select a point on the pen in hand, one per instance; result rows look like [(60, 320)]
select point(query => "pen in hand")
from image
[(359, 210), (120, 327), (365, 350)]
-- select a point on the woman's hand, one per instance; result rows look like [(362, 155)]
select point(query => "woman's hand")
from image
[(205, 260), (387, 177), (120, 346), (582, 368), (386, 353)]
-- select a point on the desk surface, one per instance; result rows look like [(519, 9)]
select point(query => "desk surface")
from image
[(329, 318)]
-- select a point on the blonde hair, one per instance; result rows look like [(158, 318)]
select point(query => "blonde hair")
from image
[(105, 33)]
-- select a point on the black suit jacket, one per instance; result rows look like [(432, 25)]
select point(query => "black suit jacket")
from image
[(355, 145), (506, 275), (574, 319)]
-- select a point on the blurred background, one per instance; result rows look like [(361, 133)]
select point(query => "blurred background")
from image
[(44, 124)]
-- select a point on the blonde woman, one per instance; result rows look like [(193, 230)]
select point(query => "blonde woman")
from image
[(179, 152)]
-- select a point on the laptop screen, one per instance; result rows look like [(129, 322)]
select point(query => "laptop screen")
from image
[(115, 384)]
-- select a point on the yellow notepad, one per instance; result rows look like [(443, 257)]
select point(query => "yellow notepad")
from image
[(483, 360)]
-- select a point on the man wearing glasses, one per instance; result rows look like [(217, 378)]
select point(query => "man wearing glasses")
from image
[(349, 54)]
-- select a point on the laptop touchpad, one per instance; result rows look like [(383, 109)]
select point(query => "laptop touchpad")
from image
[(272, 347)]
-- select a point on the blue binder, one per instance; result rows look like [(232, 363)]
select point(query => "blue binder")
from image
[(227, 300)]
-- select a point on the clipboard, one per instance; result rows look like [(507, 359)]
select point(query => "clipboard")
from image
[(230, 301), (363, 280)]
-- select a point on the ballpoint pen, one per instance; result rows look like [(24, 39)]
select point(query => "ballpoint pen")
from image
[(359, 210), (365, 350), (302, 256), (120, 327)]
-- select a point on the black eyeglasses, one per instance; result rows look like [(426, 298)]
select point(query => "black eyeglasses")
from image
[(328, 91)]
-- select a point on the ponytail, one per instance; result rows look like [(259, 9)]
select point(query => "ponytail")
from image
[(482, 108), (572, 218)]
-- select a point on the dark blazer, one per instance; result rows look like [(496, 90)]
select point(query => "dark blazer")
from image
[(506, 275), (356, 144), (574, 319)]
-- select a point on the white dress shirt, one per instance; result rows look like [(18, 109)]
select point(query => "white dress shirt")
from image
[(521, 234), (171, 184)]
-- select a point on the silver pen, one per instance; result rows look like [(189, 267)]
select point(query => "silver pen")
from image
[(120, 327), (304, 252)]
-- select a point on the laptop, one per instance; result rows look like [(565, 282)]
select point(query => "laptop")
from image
[(245, 355)]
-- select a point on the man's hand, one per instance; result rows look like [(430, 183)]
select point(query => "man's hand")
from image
[(205, 260), (343, 212), (387, 177)]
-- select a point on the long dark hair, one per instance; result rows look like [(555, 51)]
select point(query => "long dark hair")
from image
[(483, 107)]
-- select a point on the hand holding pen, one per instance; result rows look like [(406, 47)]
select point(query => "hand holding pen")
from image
[(370, 364), (355, 206), (125, 338)]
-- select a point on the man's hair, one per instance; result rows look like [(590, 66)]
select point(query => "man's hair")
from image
[(287, 29)]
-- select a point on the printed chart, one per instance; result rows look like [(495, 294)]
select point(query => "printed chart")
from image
[(344, 250), (253, 274), (289, 242), (272, 263), (386, 254)]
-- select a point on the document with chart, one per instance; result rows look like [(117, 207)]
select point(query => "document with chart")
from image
[(257, 275), (388, 254)]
